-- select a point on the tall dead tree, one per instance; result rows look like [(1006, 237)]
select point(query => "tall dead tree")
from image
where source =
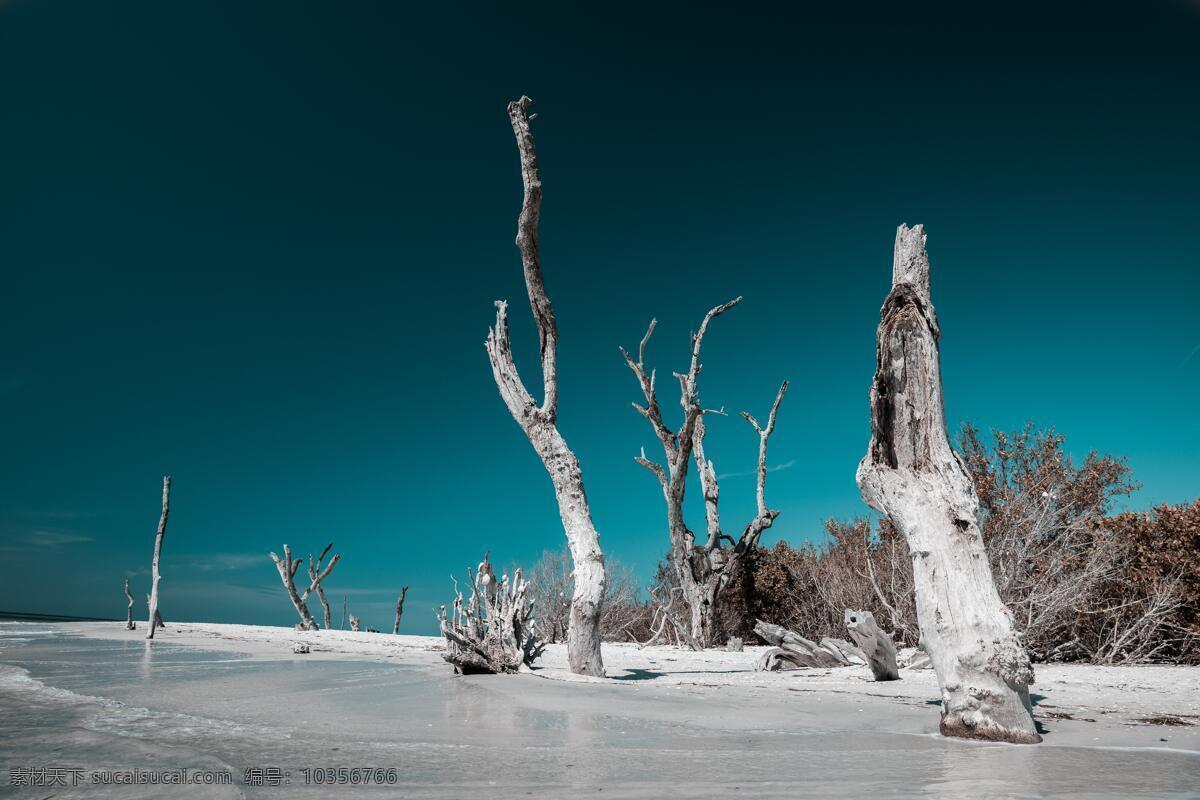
[(703, 571), (153, 616), (314, 569), (911, 474), (129, 624), (540, 422), (399, 610), (288, 567)]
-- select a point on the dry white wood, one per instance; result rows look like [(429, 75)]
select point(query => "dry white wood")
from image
[(399, 610), (701, 570), (793, 650), (152, 603), (289, 566), (875, 643), (130, 625), (492, 631), (314, 569), (911, 474), (540, 422), (355, 624)]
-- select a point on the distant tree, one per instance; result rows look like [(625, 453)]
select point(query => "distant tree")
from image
[(289, 566), (550, 576)]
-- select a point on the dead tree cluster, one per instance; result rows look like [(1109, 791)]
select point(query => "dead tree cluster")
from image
[(318, 571), (702, 570), (492, 630)]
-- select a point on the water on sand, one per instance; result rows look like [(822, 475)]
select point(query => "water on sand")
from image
[(70, 701)]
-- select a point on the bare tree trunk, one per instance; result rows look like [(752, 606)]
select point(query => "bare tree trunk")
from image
[(540, 422), (289, 566), (702, 570), (345, 606), (911, 474), (314, 567), (876, 645), (158, 540), (399, 610), (129, 624)]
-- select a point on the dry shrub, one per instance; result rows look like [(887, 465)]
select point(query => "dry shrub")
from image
[(1082, 585)]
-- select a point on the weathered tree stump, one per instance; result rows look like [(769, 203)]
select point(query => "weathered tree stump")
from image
[(399, 610), (877, 645), (911, 474), (491, 632)]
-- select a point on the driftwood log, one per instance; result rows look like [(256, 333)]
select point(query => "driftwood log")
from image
[(792, 650), (540, 423), (876, 644), (399, 610), (152, 603), (492, 631), (130, 625), (911, 474), (289, 566)]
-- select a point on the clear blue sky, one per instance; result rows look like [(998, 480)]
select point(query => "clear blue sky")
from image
[(256, 245)]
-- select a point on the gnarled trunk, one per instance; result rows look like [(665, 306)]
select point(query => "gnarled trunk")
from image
[(540, 422), (399, 610), (153, 617), (129, 624), (912, 475)]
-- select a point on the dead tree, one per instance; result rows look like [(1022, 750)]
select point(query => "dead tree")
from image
[(540, 422), (399, 610), (314, 569), (793, 650), (158, 620), (345, 606), (130, 625), (288, 567), (703, 571), (355, 624), (878, 647), (492, 631), (152, 603), (911, 474)]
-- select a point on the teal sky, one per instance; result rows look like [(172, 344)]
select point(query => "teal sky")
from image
[(256, 245)]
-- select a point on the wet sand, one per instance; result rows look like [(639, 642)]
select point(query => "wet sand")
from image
[(666, 723)]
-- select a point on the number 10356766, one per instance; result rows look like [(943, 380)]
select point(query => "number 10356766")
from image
[(349, 776)]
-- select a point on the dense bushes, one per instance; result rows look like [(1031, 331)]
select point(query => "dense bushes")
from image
[(1081, 584)]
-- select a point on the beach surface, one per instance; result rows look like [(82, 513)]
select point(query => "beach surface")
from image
[(667, 722)]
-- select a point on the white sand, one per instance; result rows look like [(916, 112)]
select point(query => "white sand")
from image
[(1079, 705)]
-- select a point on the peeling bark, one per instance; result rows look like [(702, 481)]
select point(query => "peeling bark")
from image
[(911, 474), (878, 647), (153, 617), (492, 631), (540, 422), (129, 623), (289, 566), (702, 570), (399, 610)]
